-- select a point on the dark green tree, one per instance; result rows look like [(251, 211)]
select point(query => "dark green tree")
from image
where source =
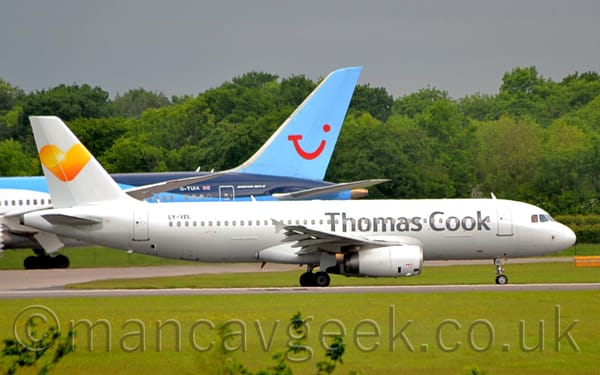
[(15, 162), (294, 90), (99, 134), (374, 100), (136, 101), (9, 95), (413, 104)]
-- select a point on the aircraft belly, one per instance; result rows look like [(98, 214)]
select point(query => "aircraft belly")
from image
[(459, 245)]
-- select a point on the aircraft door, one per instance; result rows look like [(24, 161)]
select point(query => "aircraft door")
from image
[(140, 225), (505, 226), (226, 193)]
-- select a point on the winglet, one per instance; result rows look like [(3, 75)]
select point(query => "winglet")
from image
[(73, 175), (303, 144)]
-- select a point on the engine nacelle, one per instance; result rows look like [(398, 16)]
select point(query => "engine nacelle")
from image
[(388, 261), (10, 240)]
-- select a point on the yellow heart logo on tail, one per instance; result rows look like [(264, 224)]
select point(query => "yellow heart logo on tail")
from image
[(65, 166)]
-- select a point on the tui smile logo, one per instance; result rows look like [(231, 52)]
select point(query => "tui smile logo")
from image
[(309, 155), (65, 166)]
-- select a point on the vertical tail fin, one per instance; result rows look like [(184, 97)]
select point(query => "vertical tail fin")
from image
[(73, 175), (304, 143)]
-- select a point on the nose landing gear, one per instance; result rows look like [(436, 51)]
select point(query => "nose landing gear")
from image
[(501, 278)]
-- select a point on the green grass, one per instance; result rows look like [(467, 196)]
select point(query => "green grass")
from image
[(431, 323), (470, 274), (93, 256)]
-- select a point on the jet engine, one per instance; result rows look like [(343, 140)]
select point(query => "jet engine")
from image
[(388, 261)]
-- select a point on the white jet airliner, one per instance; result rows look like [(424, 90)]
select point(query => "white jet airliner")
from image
[(385, 238)]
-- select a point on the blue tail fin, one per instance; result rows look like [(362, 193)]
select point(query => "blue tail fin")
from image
[(304, 143)]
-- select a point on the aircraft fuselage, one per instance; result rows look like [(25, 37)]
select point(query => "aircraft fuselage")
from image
[(238, 232)]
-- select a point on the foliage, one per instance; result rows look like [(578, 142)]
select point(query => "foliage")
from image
[(136, 101), (536, 140), (49, 346), (14, 161), (296, 350)]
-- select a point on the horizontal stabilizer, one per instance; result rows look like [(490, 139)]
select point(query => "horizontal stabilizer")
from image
[(61, 219), (146, 191), (329, 189)]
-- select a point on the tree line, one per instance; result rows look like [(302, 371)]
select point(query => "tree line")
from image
[(535, 140)]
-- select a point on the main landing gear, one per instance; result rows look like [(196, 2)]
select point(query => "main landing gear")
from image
[(501, 278), (45, 261), (309, 278)]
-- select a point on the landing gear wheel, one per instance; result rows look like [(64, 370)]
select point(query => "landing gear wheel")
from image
[(31, 263), (322, 279), (40, 262), (307, 279), (501, 280), (60, 261)]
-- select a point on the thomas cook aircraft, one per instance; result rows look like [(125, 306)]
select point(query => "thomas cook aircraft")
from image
[(291, 165), (385, 238)]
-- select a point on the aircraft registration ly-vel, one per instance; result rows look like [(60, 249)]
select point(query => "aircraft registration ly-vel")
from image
[(384, 238)]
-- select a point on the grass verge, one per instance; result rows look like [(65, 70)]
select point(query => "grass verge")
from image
[(500, 332), (470, 274)]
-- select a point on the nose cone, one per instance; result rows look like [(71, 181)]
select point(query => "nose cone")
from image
[(565, 237)]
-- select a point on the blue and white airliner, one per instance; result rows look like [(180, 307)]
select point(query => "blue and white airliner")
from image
[(291, 165)]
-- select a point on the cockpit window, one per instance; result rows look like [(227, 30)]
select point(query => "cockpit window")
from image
[(542, 218)]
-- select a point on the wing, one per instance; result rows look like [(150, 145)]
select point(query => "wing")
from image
[(309, 240), (329, 189), (146, 191)]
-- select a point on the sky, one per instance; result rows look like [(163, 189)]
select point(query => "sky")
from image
[(181, 47)]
